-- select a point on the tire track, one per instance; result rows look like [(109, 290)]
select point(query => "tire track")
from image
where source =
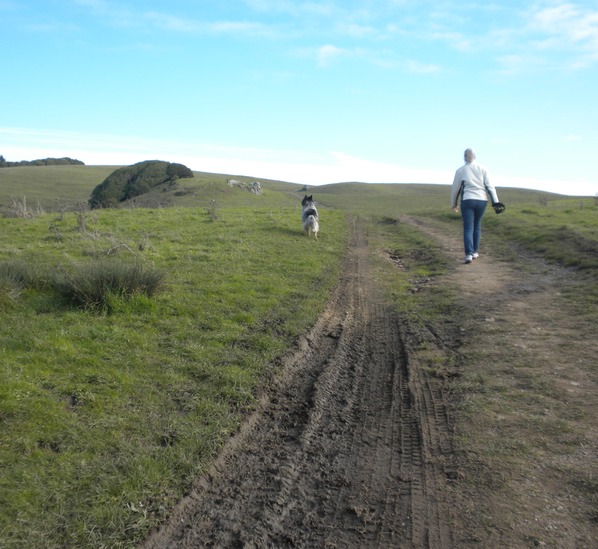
[(346, 448)]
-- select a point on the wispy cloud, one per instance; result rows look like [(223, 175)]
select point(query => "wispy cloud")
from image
[(356, 30), (168, 22), (422, 68), (122, 16), (455, 40), (290, 7), (328, 53), (243, 27), (512, 63), (569, 27), (537, 35), (115, 14)]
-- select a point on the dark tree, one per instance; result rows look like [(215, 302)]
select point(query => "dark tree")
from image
[(131, 181)]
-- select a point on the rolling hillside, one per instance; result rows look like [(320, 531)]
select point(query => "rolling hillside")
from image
[(56, 188)]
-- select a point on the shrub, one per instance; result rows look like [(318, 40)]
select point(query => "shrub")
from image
[(178, 170), (131, 181), (97, 285)]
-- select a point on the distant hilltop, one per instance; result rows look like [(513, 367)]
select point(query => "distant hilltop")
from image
[(40, 162)]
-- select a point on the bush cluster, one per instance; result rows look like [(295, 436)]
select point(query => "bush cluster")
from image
[(131, 181), (96, 285)]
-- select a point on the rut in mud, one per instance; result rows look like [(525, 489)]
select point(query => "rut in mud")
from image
[(349, 447)]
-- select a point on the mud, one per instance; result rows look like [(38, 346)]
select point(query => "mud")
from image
[(353, 444), (350, 447)]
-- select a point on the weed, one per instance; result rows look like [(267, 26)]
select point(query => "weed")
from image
[(99, 285), (19, 208)]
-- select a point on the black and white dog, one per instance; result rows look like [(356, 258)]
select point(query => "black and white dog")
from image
[(309, 216)]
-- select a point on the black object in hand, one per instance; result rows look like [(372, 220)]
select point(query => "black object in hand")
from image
[(499, 207)]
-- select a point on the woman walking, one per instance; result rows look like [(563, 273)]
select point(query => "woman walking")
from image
[(471, 182)]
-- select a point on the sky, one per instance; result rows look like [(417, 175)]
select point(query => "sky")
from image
[(313, 92)]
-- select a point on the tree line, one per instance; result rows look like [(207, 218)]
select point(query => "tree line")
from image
[(65, 161)]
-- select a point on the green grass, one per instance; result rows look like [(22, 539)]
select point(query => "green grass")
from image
[(564, 231), (416, 261), (108, 414), (64, 188), (390, 200), (50, 187)]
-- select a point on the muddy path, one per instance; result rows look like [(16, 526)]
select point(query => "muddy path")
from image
[(348, 447), (353, 444), (528, 466)]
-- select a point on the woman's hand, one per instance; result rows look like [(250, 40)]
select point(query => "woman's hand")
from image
[(456, 209)]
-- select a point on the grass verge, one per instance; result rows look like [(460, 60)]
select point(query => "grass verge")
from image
[(107, 414)]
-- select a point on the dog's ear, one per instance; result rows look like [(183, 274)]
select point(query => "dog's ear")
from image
[(310, 197)]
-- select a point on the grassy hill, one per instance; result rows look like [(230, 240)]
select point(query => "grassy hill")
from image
[(56, 188), (107, 413), (52, 187)]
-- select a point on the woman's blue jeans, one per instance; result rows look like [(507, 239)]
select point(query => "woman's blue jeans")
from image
[(472, 212)]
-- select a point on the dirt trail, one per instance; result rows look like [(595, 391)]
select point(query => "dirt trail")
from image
[(351, 446), (348, 448), (538, 361)]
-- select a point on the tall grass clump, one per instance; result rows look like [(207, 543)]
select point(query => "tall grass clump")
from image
[(17, 275), (10, 284), (96, 285)]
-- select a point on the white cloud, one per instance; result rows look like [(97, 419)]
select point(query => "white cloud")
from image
[(422, 68), (121, 16), (328, 53), (567, 27), (514, 64), (172, 22), (455, 40), (355, 30)]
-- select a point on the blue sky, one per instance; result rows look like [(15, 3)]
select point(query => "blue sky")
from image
[(312, 92)]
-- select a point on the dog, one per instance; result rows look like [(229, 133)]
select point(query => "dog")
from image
[(309, 216)]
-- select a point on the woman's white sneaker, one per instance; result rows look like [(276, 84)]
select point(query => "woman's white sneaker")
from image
[(468, 258)]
